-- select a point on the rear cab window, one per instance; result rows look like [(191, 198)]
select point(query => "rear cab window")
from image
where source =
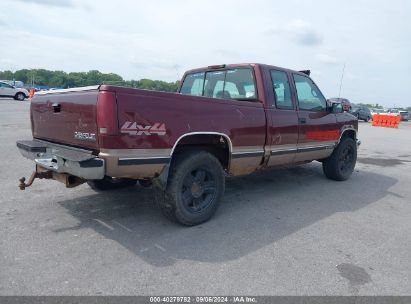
[(193, 84), (236, 84)]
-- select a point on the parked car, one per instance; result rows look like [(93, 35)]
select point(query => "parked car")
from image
[(377, 111), (393, 112), (361, 112), (7, 90), (226, 119), (404, 115)]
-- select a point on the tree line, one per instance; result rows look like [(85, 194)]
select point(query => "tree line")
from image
[(61, 79)]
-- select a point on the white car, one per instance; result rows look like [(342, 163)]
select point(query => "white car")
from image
[(376, 111), (393, 112), (7, 90)]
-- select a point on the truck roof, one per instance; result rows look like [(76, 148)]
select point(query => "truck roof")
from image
[(240, 65)]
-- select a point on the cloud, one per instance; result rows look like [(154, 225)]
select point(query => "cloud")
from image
[(154, 64), (327, 59), (149, 39), (6, 61), (299, 31), (226, 53), (57, 3)]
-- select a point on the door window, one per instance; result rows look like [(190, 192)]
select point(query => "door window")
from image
[(282, 90), (309, 96)]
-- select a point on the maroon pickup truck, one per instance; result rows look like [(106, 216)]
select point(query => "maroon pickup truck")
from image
[(225, 120)]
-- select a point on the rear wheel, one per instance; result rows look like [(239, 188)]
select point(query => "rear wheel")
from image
[(109, 183), (195, 188), (340, 165), (20, 96)]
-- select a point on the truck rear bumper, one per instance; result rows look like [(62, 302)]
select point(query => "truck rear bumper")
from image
[(63, 159)]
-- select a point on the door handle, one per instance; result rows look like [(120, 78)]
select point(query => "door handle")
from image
[(302, 120)]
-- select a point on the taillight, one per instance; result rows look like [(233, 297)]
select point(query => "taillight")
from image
[(107, 113), (31, 119)]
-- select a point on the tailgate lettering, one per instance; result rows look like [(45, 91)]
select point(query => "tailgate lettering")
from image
[(85, 136)]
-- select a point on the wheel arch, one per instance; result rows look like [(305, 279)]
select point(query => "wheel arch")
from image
[(218, 144), (19, 92), (348, 132)]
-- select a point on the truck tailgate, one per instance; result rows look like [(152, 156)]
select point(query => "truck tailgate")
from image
[(67, 117)]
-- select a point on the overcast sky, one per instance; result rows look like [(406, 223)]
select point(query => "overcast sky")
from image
[(161, 39)]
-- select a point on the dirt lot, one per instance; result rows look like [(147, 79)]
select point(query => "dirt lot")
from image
[(287, 232)]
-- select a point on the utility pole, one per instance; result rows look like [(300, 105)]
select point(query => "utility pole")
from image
[(14, 76)]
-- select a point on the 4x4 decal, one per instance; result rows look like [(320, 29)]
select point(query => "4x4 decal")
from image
[(132, 128)]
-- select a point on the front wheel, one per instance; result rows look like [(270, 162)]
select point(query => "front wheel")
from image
[(195, 188), (109, 183), (340, 165)]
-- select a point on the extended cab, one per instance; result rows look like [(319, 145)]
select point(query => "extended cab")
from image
[(225, 120)]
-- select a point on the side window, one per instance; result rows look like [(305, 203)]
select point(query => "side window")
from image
[(193, 84), (238, 84), (309, 96), (282, 90)]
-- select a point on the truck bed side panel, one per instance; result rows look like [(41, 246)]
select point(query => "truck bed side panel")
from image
[(153, 122)]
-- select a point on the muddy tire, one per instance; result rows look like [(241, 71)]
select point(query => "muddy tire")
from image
[(109, 183), (340, 165), (195, 188)]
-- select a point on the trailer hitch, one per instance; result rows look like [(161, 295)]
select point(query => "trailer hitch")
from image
[(34, 175)]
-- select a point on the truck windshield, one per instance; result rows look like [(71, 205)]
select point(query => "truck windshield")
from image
[(235, 84)]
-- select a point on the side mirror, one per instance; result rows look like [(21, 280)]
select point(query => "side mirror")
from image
[(329, 105), (334, 107), (337, 108)]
